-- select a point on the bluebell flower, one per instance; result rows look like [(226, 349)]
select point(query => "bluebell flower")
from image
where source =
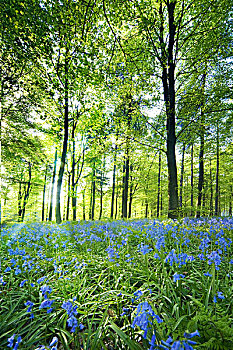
[(144, 248), (191, 335), (156, 256), (152, 342), (46, 303), (171, 257), (30, 304), (1, 281), (22, 283), (220, 295), (45, 289), (215, 258), (11, 342), (73, 323), (54, 341), (207, 274), (70, 309), (177, 276), (40, 280)]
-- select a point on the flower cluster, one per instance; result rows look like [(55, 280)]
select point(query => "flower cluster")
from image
[(71, 312)]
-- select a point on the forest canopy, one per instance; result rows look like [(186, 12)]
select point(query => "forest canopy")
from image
[(116, 109)]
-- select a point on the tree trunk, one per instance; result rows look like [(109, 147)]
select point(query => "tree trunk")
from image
[(125, 184), (201, 153), (146, 208), (116, 203), (52, 187), (230, 201), (216, 210), (182, 177), (168, 79), (44, 190), (113, 182), (159, 180), (101, 195), (73, 175), (65, 141), (130, 193), (192, 208), (211, 192), (161, 204), (68, 199), (84, 207), (90, 206), (27, 191), (19, 201), (93, 196)]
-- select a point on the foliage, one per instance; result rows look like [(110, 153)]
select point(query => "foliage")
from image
[(121, 284)]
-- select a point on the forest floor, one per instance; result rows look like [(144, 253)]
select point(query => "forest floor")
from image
[(141, 284)]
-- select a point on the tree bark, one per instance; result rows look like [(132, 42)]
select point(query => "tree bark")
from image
[(73, 175), (230, 201), (168, 79), (44, 190), (201, 153), (125, 184), (216, 209), (65, 141), (19, 201), (27, 191), (93, 195), (130, 193), (101, 195), (68, 199), (191, 199), (211, 192), (159, 180), (182, 177), (84, 207), (52, 187), (113, 182)]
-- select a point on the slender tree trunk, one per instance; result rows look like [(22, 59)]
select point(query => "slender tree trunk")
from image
[(44, 190), (52, 187), (84, 206), (19, 201), (113, 182), (216, 210), (101, 195), (27, 191), (201, 154), (182, 177), (192, 208), (146, 207), (161, 204), (125, 184), (130, 193), (211, 192), (93, 196), (230, 201), (65, 141), (73, 175), (159, 180), (116, 204), (68, 199)]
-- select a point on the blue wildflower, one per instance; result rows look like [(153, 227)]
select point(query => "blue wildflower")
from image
[(46, 303), (177, 276)]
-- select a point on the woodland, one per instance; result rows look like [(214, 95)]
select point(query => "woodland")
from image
[(116, 109), (116, 181)]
